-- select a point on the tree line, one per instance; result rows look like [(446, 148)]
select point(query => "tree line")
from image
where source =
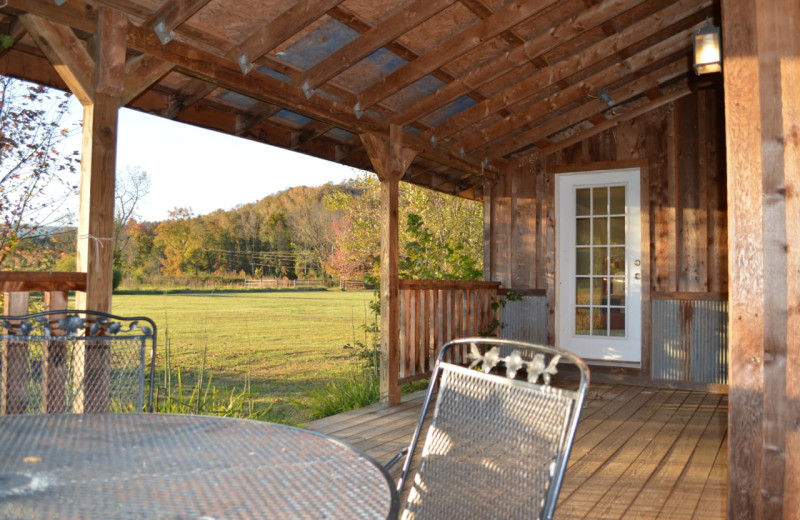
[(329, 232)]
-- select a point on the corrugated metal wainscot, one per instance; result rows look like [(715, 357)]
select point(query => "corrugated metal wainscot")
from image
[(525, 319), (690, 340)]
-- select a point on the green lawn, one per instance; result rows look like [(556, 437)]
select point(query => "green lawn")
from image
[(282, 341)]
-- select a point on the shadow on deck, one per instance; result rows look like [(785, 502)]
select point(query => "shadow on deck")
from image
[(640, 452)]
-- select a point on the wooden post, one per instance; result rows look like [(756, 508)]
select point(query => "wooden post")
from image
[(96, 220), (761, 68), (390, 161), (54, 360)]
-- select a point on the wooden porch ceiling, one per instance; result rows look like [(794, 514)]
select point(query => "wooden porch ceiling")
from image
[(475, 85)]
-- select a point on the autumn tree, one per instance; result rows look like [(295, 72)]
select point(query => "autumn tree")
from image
[(37, 178), (180, 240)]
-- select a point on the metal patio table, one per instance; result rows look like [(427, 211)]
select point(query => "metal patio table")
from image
[(182, 466)]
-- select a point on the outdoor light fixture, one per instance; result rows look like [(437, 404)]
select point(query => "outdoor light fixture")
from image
[(707, 53)]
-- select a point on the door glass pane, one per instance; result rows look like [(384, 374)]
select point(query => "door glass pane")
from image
[(599, 201), (582, 291), (600, 260), (599, 321), (583, 261), (616, 323), (599, 292), (583, 201), (600, 231), (616, 262), (617, 227), (582, 231), (617, 291), (582, 321), (617, 200)]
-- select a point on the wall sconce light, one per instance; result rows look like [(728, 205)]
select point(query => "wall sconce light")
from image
[(707, 50)]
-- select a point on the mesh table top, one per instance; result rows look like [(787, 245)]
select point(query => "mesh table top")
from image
[(182, 466)]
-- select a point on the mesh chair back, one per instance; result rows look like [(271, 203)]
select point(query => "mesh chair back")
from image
[(76, 361), (497, 446)]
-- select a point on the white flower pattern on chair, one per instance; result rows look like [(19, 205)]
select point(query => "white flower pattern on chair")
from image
[(514, 363)]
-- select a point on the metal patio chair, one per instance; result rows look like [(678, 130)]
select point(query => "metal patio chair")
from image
[(500, 436), (71, 361)]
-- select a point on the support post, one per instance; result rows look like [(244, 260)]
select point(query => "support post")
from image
[(761, 71), (390, 161)]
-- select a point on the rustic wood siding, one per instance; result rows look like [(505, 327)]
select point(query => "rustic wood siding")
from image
[(680, 148)]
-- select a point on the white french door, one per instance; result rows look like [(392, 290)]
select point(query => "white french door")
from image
[(598, 278)]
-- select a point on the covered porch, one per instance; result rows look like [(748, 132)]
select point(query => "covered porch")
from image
[(640, 452)]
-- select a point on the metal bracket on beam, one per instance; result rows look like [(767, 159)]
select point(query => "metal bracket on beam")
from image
[(357, 110), (603, 96), (307, 90), (433, 140), (58, 2), (163, 35), (244, 64)]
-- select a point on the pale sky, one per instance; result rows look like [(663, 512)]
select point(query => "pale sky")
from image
[(203, 170)]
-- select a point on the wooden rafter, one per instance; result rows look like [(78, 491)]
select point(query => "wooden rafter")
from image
[(281, 28), (171, 15), (591, 86), (372, 40), (603, 124), (672, 70), (551, 75), (509, 16)]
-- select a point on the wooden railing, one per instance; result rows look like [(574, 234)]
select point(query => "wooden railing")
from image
[(16, 287), (433, 312)]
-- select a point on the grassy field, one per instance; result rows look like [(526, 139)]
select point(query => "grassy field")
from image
[(281, 341)]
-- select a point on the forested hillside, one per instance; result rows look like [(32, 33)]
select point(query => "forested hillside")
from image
[(329, 232)]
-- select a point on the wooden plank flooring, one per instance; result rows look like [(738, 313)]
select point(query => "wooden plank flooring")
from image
[(640, 453)]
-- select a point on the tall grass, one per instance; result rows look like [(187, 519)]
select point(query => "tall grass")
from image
[(262, 347), (202, 398)]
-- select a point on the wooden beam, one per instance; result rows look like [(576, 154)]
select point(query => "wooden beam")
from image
[(519, 91), (171, 15), (390, 161), (24, 281), (254, 115), (761, 69), (66, 52), (109, 53), (510, 15), (399, 23), (279, 29), (193, 91), (142, 72)]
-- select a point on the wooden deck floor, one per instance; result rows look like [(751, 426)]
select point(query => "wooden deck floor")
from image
[(640, 453)]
